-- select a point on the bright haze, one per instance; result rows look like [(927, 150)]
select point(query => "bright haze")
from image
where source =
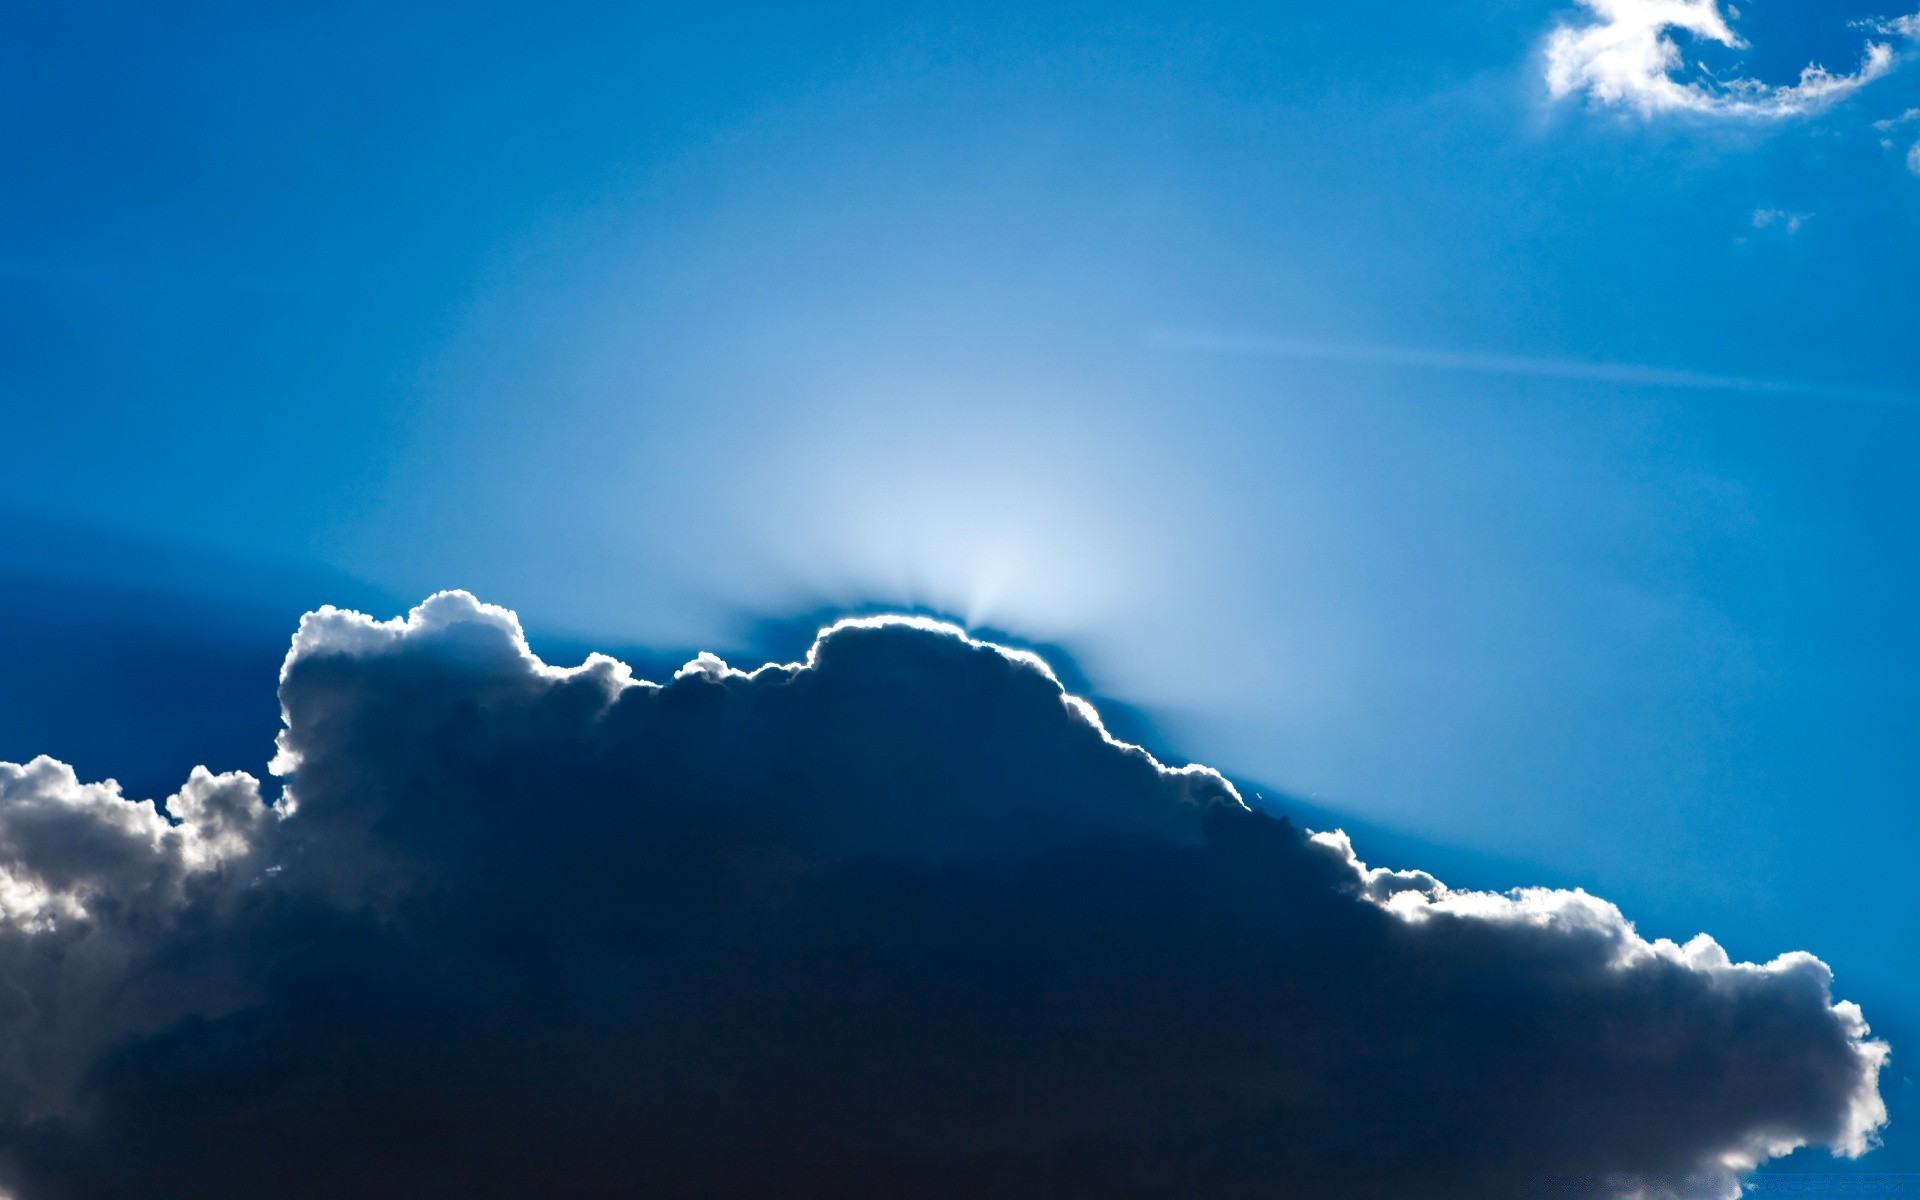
[(1489, 430)]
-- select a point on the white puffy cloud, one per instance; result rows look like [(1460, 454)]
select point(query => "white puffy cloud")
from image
[(901, 918), (93, 888), (1626, 54), (67, 845)]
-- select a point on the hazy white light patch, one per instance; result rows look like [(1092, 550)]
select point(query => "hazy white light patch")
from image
[(1000, 527), (1628, 374), (1626, 55)]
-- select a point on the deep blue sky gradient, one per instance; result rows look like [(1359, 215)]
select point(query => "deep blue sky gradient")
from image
[(658, 325)]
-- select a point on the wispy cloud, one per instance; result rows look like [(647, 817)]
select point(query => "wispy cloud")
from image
[(1892, 123), (1906, 27), (1780, 218), (1629, 374), (1626, 55)]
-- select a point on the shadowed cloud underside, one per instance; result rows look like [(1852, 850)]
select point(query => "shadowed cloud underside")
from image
[(899, 919)]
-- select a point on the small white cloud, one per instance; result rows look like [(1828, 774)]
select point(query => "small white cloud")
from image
[(1626, 55), (1887, 125), (1780, 218)]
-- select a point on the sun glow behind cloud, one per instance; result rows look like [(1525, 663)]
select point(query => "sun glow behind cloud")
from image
[(991, 533)]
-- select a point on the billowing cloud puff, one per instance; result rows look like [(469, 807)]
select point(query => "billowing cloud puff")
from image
[(66, 846), (1626, 54), (898, 920)]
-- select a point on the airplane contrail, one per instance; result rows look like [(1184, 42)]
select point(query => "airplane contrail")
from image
[(1516, 364)]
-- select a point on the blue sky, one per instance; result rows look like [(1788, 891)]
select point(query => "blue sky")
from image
[(1532, 480)]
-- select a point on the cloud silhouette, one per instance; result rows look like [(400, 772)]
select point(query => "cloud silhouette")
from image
[(901, 919)]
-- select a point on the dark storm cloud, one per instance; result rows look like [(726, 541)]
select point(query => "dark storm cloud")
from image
[(901, 920)]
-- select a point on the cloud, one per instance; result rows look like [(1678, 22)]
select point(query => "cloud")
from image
[(66, 846), (1906, 27), (1483, 362), (94, 887), (1887, 125), (1625, 54), (900, 919), (1790, 222)]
